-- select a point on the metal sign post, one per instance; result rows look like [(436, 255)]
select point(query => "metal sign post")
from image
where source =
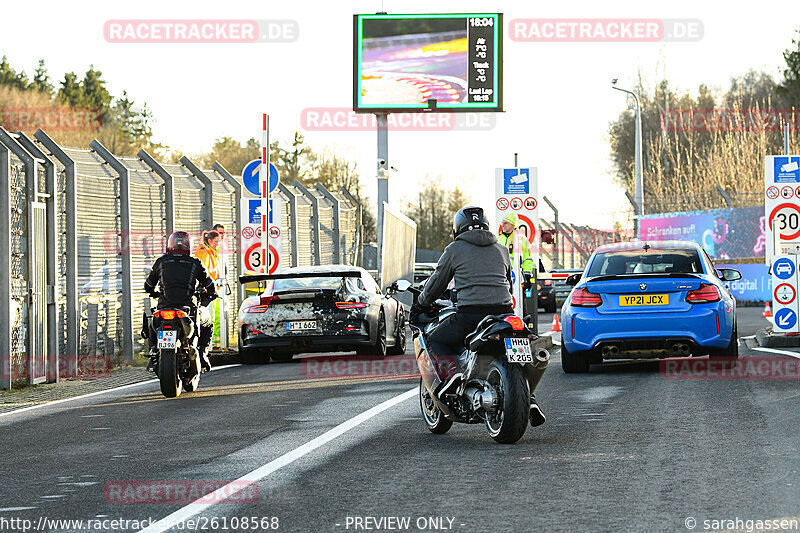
[(265, 193), (383, 182)]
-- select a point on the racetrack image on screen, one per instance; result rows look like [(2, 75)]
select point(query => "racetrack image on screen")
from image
[(407, 61), (410, 68)]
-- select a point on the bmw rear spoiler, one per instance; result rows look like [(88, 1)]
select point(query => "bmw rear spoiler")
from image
[(267, 277), (644, 275)]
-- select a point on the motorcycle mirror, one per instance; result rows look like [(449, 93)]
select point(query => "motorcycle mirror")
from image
[(401, 285)]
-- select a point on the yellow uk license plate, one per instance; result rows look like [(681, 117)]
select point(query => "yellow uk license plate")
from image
[(644, 299)]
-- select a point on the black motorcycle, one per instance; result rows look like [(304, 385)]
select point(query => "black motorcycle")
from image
[(177, 334), (492, 381)]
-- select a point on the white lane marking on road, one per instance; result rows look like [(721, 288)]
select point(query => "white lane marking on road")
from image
[(100, 429), (91, 416), (781, 352), (748, 337), (200, 505), (123, 387), (13, 509)]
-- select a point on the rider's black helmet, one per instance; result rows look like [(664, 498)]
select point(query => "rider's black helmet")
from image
[(179, 243), (468, 218)]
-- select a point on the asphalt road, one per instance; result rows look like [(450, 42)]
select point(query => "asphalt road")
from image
[(623, 449)]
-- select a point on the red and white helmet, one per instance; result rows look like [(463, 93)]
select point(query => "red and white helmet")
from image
[(179, 243)]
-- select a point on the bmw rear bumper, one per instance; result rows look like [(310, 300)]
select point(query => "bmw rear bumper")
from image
[(647, 334)]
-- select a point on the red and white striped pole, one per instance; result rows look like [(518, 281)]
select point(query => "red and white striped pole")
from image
[(264, 175)]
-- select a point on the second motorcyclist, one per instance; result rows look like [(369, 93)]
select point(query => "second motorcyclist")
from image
[(179, 275)]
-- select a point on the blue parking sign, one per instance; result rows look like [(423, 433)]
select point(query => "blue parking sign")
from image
[(783, 268)]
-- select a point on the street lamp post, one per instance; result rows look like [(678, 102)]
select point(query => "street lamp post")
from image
[(638, 185)]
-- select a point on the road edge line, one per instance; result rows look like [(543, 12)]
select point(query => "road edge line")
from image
[(90, 394), (201, 504), (781, 352)]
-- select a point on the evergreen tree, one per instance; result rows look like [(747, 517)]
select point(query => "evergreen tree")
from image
[(41, 80)]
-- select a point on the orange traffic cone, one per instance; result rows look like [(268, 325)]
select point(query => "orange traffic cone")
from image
[(556, 324), (767, 311)]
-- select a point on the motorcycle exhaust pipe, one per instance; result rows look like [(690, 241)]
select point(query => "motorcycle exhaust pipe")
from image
[(534, 372)]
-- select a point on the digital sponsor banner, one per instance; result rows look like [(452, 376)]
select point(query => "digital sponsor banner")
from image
[(755, 285), (724, 233)]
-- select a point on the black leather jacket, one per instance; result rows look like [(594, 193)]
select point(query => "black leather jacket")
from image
[(179, 276)]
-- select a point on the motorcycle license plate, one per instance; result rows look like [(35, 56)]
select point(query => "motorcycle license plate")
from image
[(302, 325), (519, 351), (167, 340)]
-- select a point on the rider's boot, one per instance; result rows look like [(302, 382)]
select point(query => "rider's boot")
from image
[(536, 416)]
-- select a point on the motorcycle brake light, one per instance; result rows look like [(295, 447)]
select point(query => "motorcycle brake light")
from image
[(516, 323), (169, 314)]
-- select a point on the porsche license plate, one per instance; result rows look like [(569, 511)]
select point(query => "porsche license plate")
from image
[(167, 340), (302, 325), (519, 350), (643, 299)]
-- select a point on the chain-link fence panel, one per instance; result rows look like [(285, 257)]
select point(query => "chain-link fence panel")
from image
[(148, 229), (99, 238), (19, 270), (189, 193)]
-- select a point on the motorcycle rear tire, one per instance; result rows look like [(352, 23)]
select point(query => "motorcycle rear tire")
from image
[(171, 383), (516, 401)]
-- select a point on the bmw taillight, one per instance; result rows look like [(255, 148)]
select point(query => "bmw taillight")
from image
[(705, 294), (583, 298), (350, 305), (516, 323)]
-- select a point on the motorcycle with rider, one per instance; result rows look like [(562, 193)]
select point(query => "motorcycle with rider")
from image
[(476, 359), (180, 328)]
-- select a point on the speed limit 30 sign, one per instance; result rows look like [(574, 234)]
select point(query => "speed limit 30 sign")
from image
[(782, 205)]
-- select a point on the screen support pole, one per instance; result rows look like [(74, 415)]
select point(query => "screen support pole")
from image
[(383, 181)]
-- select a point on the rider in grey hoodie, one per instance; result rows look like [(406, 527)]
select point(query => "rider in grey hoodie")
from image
[(481, 270)]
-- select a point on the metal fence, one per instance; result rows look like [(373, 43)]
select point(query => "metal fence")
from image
[(83, 228)]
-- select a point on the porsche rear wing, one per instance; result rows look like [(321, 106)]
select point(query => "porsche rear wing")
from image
[(268, 277)]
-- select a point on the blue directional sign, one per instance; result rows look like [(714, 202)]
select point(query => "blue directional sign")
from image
[(251, 179), (516, 181), (786, 169), (785, 318), (783, 268), (254, 211), (513, 277)]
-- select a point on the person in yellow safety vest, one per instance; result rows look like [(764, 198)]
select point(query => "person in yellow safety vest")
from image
[(208, 254), (506, 238)]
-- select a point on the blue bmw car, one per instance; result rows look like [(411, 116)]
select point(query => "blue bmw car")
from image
[(636, 301)]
